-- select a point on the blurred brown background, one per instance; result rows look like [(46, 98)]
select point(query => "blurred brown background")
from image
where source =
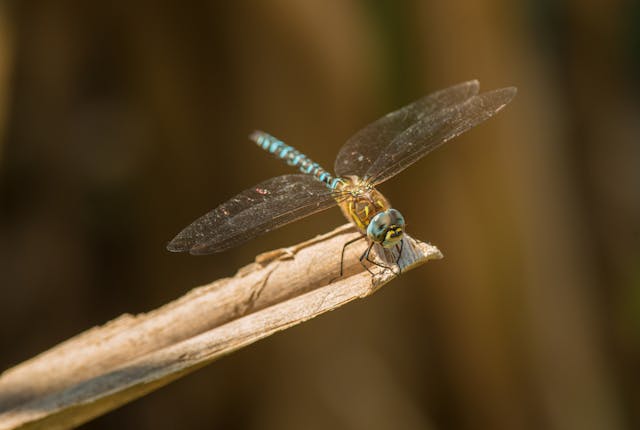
[(120, 122)]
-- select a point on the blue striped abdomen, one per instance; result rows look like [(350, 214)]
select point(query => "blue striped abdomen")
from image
[(293, 157)]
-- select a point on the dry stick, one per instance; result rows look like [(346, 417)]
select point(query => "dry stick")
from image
[(108, 366)]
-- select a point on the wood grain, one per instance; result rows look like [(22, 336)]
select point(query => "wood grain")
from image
[(108, 366)]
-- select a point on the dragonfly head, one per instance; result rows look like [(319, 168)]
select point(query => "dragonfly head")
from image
[(386, 228)]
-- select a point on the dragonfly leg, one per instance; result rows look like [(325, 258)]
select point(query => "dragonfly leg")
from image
[(399, 247), (375, 263), (365, 255), (342, 255)]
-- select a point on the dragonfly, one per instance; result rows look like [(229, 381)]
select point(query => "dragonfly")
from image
[(374, 154)]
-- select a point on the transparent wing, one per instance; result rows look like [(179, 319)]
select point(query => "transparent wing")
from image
[(257, 210), (430, 132), (358, 154)]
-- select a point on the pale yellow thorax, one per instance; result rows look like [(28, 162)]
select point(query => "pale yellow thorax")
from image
[(362, 202)]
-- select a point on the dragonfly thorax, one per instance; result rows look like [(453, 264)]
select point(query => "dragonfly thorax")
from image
[(370, 211)]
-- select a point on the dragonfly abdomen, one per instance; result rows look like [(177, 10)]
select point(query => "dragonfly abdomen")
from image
[(294, 158)]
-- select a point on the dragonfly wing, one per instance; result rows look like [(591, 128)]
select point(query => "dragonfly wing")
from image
[(257, 210), (432, 131), (358, 154)]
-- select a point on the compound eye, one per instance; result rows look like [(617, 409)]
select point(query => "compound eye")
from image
[(378, 227), (396, 217)]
